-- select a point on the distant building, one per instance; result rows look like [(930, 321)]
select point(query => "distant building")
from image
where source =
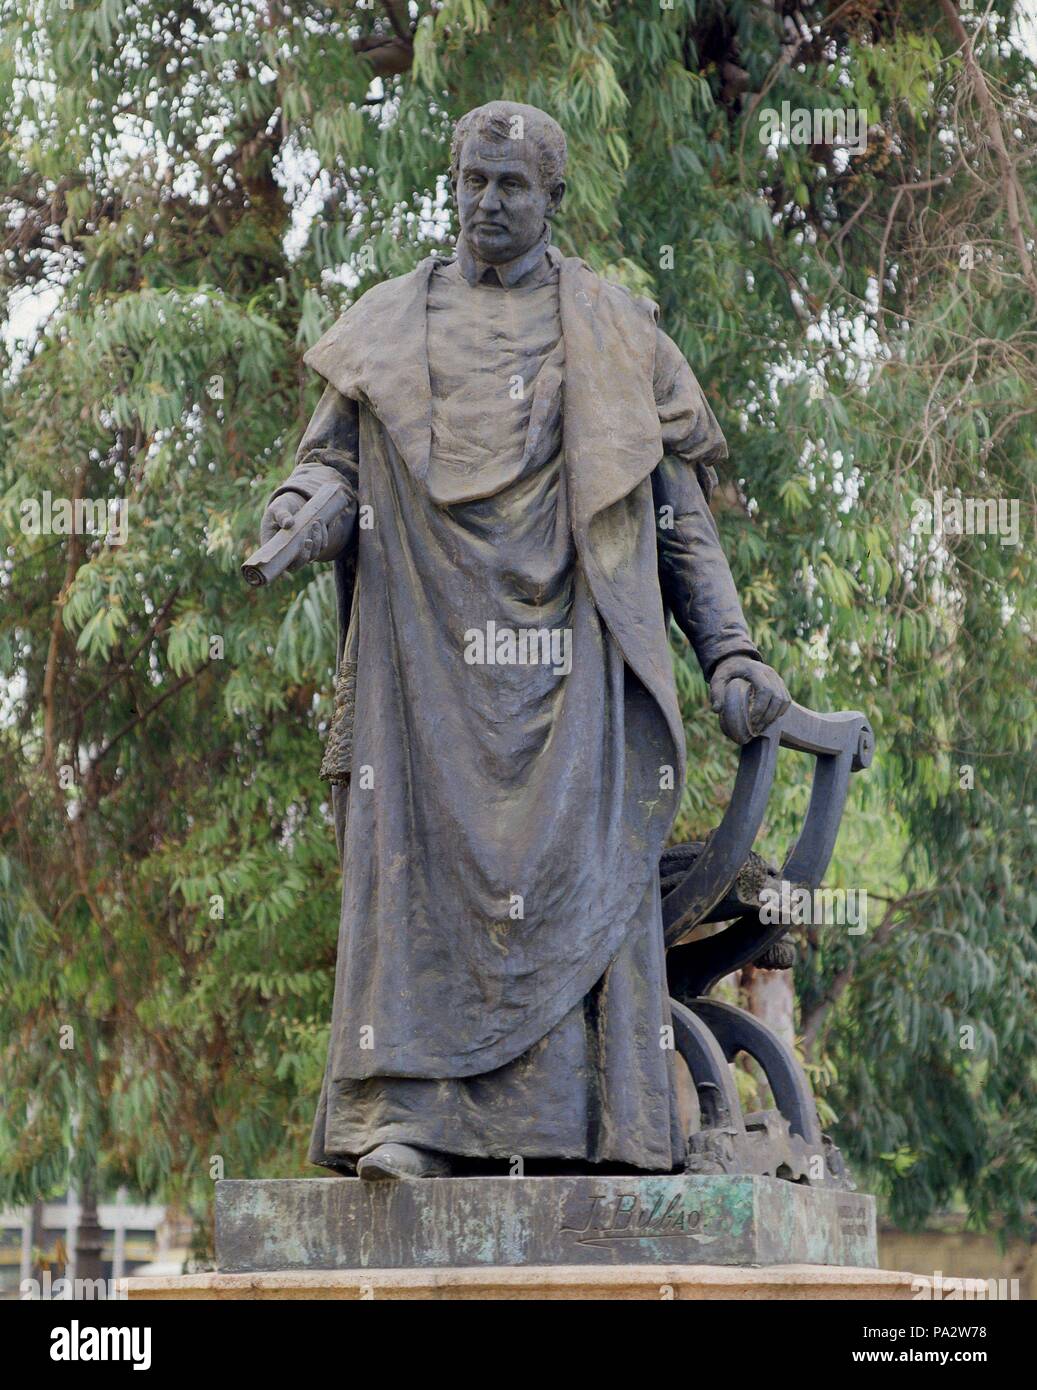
[(135, 1235)]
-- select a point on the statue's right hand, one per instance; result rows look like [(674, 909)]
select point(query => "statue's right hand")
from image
[(279, 516)]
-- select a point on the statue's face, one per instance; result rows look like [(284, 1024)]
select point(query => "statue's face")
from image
[(501, 201)]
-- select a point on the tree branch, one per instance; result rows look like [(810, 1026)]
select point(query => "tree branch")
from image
[(1011, 192), (813, 1020), (145, 714), (127, 663)]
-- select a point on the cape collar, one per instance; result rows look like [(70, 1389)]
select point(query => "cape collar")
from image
[(378, 352)]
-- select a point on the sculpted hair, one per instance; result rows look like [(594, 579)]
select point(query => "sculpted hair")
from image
[(495, 121)]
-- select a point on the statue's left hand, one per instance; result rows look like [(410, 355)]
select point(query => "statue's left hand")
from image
[(768, 697)]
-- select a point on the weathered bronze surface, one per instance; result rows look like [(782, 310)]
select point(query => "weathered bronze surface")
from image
[(510, 468), (324, 1223)]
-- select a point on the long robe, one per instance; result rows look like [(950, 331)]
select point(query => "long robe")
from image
[(500, 987)]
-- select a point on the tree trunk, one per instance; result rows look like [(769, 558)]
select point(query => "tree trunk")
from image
[(769, 997), (89, 1236)]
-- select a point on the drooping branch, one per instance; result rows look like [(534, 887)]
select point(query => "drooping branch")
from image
[(814, 1019), (1014, 200)]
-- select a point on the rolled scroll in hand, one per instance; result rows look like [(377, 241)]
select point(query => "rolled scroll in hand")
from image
[(281, 550)]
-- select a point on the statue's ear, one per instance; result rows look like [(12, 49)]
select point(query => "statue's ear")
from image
[(554, 198)]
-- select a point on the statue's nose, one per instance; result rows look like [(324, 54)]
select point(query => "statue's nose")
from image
[(490, 200)]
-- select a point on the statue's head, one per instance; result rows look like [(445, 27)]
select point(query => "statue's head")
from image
[(507, 166)]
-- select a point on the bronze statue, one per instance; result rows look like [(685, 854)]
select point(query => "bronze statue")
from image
[(510, 467)]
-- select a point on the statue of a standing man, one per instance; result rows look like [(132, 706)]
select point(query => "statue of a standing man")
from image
[(527, 459)]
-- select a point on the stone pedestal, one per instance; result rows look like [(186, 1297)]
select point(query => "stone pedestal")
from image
[(343, 1224), (620, 1281)]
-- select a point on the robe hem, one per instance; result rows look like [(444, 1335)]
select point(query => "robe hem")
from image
[(345, 1161)]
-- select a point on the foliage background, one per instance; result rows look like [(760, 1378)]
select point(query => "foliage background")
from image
[(189, 193)]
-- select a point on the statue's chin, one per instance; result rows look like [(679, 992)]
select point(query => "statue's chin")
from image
[(494, 249)]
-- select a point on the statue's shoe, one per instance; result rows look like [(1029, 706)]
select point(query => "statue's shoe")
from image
[(401, 1161)]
